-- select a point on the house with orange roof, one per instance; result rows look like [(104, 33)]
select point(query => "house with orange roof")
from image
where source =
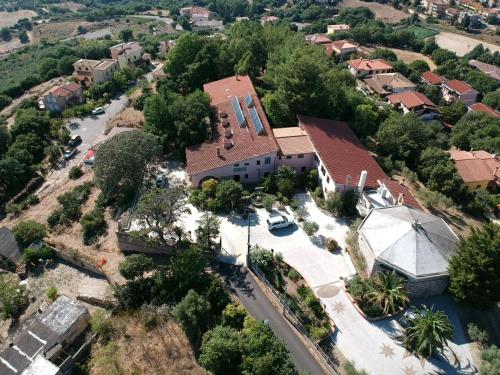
[(344, 48), (484, 108), (477, 169), (433, 79), (458, 90), (415, 102), (58, 98), (361, 68)]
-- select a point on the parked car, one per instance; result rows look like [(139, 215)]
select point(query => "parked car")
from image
[(98, 111), (68, 154), (160, 181), (278, 221), (75, 141)]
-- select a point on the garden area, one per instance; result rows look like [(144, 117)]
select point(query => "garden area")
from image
[(293, 289)]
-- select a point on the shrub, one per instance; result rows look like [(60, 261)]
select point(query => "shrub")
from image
[(318, 333), (312, 179), (54, 218), (32, 200), (93, 224), (333, 203), (234, 315), (332, 244), (268, 202), (29, 231), (13, 296), (71, 203), (477, 335), (33, 255), (301, 213), (75, 173), (101, 325), (293, 275), (13, 209), (310, 227), (52, 293)]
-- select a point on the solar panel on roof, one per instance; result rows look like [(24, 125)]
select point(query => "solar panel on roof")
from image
[(249, 100), (256, 121), (238, 112)]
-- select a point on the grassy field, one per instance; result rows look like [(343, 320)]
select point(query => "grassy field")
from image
[(421, 32)]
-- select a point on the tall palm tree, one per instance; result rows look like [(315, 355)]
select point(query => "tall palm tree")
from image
[(428, 332), (390, 292)]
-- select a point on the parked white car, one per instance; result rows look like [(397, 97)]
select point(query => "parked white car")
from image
[(98, 111), (278, 221)]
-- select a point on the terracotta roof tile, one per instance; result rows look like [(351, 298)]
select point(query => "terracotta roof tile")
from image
[(398, 189), (459, 87), (246, 142), (365, 64), (481, 107), (293, 141), (410, 99), (318, 39), (341, 151), (476, 166), (433, 78)]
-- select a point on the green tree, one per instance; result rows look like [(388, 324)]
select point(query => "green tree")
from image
[(4, 139), (228, 194), (188, 271), (477, 131), (492, 99), (365, 120), (440, 56), (23, 37), (450, 114), (438, 171), (428, 332), (383, 53), (390, 292), (121, 161), (429, 47), (126, 35), (28, 231), (6, 35), (31, 121), (481, 81), (220, 351), (490, 364), (193, 314), (13, 175), (65, 65), (263, 353), (207, 231), (474, 276), (93, 224), (13, 296), (134, 266), (160, 210), (5, 100), (419, 66), (234, 315), (47, 68)]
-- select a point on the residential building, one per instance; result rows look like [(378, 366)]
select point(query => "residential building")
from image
[(89, 72), (165, 46), (416, 245), (344, 48), (433, 79), (242, 145), (451, 13), (415, 102), (296, 150), (58, 98), (389, 193), (474, 18), (388, 83), (269, 19), (438, 8), (158, 73), (127, 54), (491, 70), (332, 29), (42, 347), (458, 90), (477, 169), (197, 12), (481, 107), (360, 68), (318, 39), (207, 25), (340, 157), (10, 254)]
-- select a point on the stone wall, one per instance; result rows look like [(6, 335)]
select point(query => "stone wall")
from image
[(137, 245)]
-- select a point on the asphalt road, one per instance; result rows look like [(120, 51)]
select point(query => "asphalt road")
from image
[(259, 306)]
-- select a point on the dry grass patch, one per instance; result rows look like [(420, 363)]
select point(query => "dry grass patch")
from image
[(128, 118), (384, 12), (146, 343)]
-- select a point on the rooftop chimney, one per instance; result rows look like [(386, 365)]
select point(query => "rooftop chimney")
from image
[(218, 152)]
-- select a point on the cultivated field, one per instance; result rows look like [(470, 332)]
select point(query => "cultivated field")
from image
[(461, 44), (382, 12), (8, 19)]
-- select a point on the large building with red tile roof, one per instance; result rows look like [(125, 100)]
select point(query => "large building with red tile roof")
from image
[(455, 90), (415, 102), (364, 67), (477, 169), (484, 108), (242, 145)]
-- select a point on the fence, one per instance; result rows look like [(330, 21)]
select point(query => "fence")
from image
[(292, 318)]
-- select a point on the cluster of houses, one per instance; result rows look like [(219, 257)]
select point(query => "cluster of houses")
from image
[(476, 12), (88, 72), (244, 147)]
